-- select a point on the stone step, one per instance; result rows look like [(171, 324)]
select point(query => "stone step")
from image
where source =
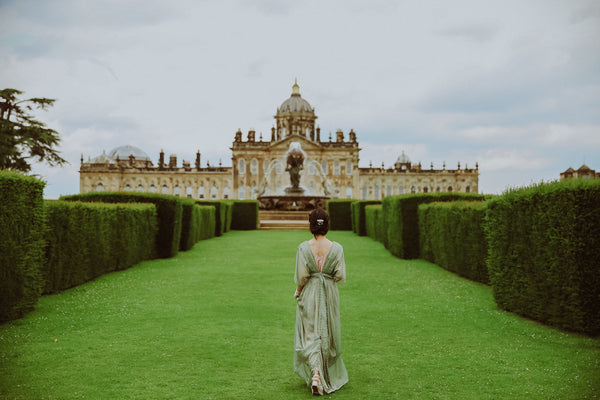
[(284, 225), (283, 215)]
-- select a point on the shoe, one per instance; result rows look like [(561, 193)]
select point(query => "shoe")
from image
[(316, 387)]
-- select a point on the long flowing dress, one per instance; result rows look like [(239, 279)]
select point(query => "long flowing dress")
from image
[(317, 340)]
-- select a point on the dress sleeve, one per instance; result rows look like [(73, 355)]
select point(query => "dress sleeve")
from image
[(340, 269), (301, 275)]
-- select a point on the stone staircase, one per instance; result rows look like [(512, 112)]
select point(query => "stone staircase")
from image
[(283, 220)]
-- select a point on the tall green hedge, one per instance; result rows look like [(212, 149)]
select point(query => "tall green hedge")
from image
[(452, 236), (544, 253), (340, 214), (228, 214), (86, 240), (244, 215), (195, 221), (400, 214), (168, 209), (358, 215), (21, 243), (374, 226), (222, 208)]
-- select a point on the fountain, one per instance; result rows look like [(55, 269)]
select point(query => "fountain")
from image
[(294, 198)]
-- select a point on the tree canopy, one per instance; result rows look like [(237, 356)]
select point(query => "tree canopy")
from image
[(23, 138)]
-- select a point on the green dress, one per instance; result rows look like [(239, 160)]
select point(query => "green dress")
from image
[(317, 340)]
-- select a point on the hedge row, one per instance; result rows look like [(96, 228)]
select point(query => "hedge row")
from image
[(244, 215), (452, 236), (358, 215), (340, 214), (197, 223), (86, 240), (21, 243), (544, 253), (223, 213), (373, 222), (168, 208), (400, 214)]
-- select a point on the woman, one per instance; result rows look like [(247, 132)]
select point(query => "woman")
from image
[(317, 342)]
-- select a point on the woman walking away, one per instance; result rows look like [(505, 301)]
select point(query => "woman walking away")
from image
[(317, 342)]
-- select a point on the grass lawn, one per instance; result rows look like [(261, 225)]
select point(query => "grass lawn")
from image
[(217, 322)]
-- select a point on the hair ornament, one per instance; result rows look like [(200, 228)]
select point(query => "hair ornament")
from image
[(320, 222)]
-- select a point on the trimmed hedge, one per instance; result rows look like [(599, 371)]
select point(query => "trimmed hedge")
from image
[(21, 243), (86, 240), (197, 223), (400, 214), (228, 214), (374, 225), (244, 215), (340, 214), (452, 236), (358, 215), (544, 253), (168, 210), (221, 210)]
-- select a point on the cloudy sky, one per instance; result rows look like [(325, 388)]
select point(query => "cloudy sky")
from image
[(512, 85)]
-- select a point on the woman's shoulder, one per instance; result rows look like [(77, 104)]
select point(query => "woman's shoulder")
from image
[(303, 244), (337, 246)]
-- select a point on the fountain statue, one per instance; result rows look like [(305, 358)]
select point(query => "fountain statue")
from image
[(293, 197)]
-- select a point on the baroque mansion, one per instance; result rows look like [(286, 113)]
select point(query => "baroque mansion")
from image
[(258, 166)]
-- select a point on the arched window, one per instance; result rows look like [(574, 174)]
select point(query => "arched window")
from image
[(388, 191), (425, 189), (100, 188), (127, 188), (348, 192), (241, 193), (188, 191), (201, 192), (365, 193), (165, 190), (413, 189), (401, 190), (349, 167), (226, 192), (437, 189), (213, 192), (254, 167), (449, 188), (140, 188), (241, 166), (468, 189), (152, 188), (336, 168), (377, 194), (177, 190)]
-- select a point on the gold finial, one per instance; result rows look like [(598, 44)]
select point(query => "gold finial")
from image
[(296, 88)]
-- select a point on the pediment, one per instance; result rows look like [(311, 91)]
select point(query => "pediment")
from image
[(284, 144)]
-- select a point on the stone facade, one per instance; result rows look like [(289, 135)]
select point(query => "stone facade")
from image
[(259, 167), (583, 172)]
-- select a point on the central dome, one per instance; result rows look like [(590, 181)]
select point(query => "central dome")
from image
[(123, 153), (295, 103)]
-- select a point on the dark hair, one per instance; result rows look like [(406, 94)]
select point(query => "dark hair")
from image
[(319, 222)]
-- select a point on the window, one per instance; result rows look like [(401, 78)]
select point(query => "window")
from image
[(127, 188), (241, 166), (365, 193), (377, 194), (100, 188), (165, 190), (324, 167), (254, 167), (177, 190), (213, 192), (437, 189), (468, 189), (140, 188), (388, 191), (226, 192), (265, 166), (253, 192), (152, 188), (201, 192), (348, 167), (336, 168), (188, 191), (449, 188), (425, 189), (401, 190), (241, 193), (413, 189), (348, 192)]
